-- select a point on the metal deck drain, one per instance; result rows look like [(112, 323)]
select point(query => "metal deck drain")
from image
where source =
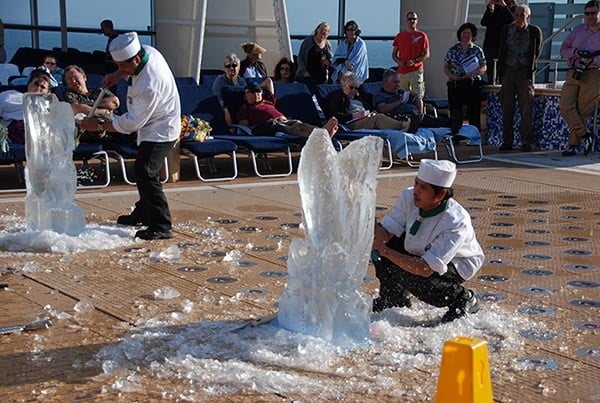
[(536, 290), (278, 236), (266, 218), (585, 303), (255, 291), (537, 231), (138, 250), (507, 197), (504, 214), (574, 227), (241, 263), (575, 239), (580, 267), (188, 245), (537, 272), (572, 208), (570, 217), (221, 280), (577, 252), (496, 261), (537, 211), (502, 224), (583, 284), (192, 269), (537, 363), (262, 248), (273, 274), (537, 257), (588, 326), (593, 352), (537, 220), (213, 253), (506, 205), (250, 228), (537, 310), (476, 199), (537, 201), (536, 243), (495, 247), (500, 235), (489, 297), (283, 258), (493, 278), (290, 225), (537, 334), (227, 221)]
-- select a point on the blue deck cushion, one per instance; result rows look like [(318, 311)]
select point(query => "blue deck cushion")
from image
[(209, 148), (86, 150), (469, 132), (259, 144), (125, 150), (16, 153), (295, 101)]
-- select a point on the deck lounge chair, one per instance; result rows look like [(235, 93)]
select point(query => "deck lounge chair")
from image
[(199, 100)]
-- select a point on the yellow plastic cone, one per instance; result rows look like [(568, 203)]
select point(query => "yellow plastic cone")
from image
[(465, 372)]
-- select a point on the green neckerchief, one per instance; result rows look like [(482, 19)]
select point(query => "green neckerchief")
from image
[(425, 214), (139, 68)]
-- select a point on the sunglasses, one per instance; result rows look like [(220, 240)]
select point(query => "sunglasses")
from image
[(284, 68), (590, 13), (412, 19), (352, 87), (231, 66), (50, 63)]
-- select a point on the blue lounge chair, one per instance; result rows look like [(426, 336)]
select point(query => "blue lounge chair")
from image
[(404, 144), (201, 102)]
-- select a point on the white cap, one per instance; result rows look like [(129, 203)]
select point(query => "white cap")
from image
[(124, 46), (437, 172)]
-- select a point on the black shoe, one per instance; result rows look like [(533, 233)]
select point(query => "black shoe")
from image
[(150, 234), (569, 151), (505, 147), (587, 142), (130, 219), (467, 305)]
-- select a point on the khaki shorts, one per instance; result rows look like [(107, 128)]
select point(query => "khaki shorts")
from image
[(413, 82)]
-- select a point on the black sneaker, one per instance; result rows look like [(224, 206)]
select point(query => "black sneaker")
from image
[(467, 305), (505, 147), (569, 151), (130, 219), (587, 142), (150, 235)]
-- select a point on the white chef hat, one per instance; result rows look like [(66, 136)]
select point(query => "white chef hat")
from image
[(437, 172), (124, 46)]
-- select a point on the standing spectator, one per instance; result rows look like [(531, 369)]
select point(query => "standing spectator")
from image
[(154, 112), (285, 71), (520, 46), (2, 50), (497, 14), (230, 77), (581, 90), (410, 49), (315, 55), (427, 246), (464, 63), (252, 66), (351, 55), (108, 30)]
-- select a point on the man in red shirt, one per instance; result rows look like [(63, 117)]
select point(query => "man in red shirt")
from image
[(410, 50), (260, 114)]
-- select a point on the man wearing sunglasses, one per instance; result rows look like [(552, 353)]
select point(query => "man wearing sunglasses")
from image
[(410, 49), (581, 90)]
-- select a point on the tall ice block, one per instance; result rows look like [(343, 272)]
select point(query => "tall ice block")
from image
[(50, 175), (465, 372)]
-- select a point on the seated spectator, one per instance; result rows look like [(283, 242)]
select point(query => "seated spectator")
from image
[(231, 67), (316, 54), (393, 100), (285, 71), (252, 66), (351, 55), (82, 100), (349, 108), (50, 64), (260, 115), (11, 105)]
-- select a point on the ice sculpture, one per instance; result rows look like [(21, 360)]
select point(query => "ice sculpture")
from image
[(50, 175), (323, 297)]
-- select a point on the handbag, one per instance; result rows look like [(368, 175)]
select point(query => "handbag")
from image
[(194, 129)]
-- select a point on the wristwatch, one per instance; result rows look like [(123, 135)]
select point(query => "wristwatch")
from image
[(100, 125)]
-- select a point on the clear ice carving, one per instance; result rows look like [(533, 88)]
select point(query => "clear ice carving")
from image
[(323, 297), (50, 175)]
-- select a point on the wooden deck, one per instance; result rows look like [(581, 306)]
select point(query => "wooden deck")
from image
[(541, 279)]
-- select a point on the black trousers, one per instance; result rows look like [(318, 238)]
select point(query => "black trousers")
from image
[(437, 290), (465, 93), (152, 206)]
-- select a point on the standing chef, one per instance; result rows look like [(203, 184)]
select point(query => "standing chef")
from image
[(154, 112)]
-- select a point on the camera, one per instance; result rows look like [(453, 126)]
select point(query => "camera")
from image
[(583, 62)]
